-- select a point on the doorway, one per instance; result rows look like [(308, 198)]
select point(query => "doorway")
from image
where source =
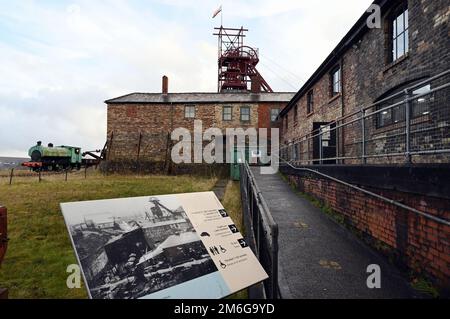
[(324, 145)]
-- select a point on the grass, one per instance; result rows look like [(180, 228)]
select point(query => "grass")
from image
[(232, 203), (39, 249)]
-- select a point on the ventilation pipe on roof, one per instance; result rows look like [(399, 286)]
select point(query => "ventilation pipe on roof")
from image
[(165, 85)]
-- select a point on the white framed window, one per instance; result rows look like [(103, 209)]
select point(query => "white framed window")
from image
[(400, 34), (245, 114), (336, 81), (189, 111), (274, 114), (227, 113)]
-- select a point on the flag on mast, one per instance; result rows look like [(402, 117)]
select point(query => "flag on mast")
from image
[(217, 12)]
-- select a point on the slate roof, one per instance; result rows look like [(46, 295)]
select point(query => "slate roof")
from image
[(159, 98)]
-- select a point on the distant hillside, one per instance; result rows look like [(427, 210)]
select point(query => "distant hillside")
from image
[(10, 162)]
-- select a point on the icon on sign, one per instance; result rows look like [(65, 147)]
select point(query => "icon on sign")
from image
[(233, 229), (214, 250), (242, 243), (205, 234), (222, 265), (223, 212)]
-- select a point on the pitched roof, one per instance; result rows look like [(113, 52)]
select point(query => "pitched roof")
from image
[(237, 97)]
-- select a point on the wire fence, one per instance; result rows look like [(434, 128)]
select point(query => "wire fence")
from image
[(409, 126), (14, 175)]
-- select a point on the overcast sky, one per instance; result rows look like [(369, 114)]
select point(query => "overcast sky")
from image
[(61, 59)]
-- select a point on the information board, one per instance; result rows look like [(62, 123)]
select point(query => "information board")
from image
[(171, 246)]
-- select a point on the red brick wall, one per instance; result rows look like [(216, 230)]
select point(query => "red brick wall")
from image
[(421, 244), (264, 116)]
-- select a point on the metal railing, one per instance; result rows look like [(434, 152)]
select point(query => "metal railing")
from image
[(412, 122), (263, 230)]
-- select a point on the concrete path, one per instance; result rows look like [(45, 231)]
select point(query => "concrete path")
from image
[(319, 258)]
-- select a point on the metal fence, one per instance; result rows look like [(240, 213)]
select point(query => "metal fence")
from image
[(409, 126), (262, 230)]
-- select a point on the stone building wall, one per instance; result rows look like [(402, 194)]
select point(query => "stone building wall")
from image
[(139, 132), (368, 76)]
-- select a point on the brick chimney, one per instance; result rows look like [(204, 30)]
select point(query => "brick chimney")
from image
[(165, 85), (255, 85)]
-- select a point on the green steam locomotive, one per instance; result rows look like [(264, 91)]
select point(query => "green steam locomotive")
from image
[(51, 158)]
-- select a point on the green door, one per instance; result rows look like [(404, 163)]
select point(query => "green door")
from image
[(238, 158)]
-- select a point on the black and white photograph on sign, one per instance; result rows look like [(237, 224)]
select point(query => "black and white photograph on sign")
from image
[(130, 251)]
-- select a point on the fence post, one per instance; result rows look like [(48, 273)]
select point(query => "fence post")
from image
[(337, 142), (274, 261), (363, 136), (85, 172), (408, 126), (320, 146), (11, 176), (39, 176), (66, 175)]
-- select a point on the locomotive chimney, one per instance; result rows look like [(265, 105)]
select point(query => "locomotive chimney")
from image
[(165, 85)]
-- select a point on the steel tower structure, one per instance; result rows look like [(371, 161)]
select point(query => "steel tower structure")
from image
[(237, 63)]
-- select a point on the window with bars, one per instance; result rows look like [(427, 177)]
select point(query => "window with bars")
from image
[(400, 33), (245, 114), (189, 111), (336, 81), (227, 113)]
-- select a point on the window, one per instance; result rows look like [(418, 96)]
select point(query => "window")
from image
[(245, 114), (400, 33), (189, 111), (336, 81), (419, 107), (310, 102), (227, 113), (274, 114)]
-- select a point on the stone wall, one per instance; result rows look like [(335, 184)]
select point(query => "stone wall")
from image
[(368, 75), (139, 134)]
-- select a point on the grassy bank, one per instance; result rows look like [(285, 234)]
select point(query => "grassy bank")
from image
[(39, 248)]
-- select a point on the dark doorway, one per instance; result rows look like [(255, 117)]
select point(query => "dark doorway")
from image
[(324, 145)]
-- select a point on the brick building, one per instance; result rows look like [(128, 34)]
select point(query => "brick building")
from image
[(369, 71), (139, 124), (381, 97)]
